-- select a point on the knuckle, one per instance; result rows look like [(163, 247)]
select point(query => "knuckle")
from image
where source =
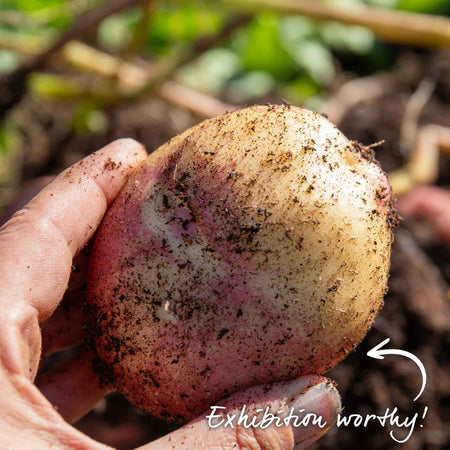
[(271, 438), (246, 439)]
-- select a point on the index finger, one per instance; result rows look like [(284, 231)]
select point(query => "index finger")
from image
[(39, 242)]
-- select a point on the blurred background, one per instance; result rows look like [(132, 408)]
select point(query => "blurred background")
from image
[(75, 75)]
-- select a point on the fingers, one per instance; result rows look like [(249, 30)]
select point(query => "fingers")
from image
[(28, 420), (64, 328), (79, 268), (40, 241), (291, 402), (37, 246), (73, 387)]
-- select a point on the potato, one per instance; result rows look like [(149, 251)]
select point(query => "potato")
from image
[(252, 248)]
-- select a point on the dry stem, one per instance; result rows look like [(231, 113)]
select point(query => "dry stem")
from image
[(132, 78), (393, 26)]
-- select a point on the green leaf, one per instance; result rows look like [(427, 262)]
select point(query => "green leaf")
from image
[(391, 4), (316, 59), (5, 140), (89, 119), (425, 6), (301, 89), (54, 87), (260, 48), (170, 25), (36, 5), (344, 38), (295, 29), (250, 85), (8, 61), (211, 71), (113, 33), (9, 146), (420, 6)]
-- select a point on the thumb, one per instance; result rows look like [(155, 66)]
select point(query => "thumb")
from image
[(282, 416)]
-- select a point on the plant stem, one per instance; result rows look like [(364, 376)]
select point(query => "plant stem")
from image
[(132, 78), (140, 34), (398, 27), (25, 44)]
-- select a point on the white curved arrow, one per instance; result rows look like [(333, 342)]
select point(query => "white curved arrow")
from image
[(379, 354)]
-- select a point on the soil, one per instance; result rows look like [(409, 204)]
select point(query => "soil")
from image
[(416, 312)]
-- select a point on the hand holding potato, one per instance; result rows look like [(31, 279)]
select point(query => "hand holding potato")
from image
[(37, 248)]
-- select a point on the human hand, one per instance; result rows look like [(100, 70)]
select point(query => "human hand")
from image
[(40, 302)]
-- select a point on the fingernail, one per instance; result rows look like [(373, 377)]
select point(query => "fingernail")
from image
[(314, 412)]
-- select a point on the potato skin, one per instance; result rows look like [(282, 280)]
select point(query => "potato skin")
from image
[(252, 248)]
